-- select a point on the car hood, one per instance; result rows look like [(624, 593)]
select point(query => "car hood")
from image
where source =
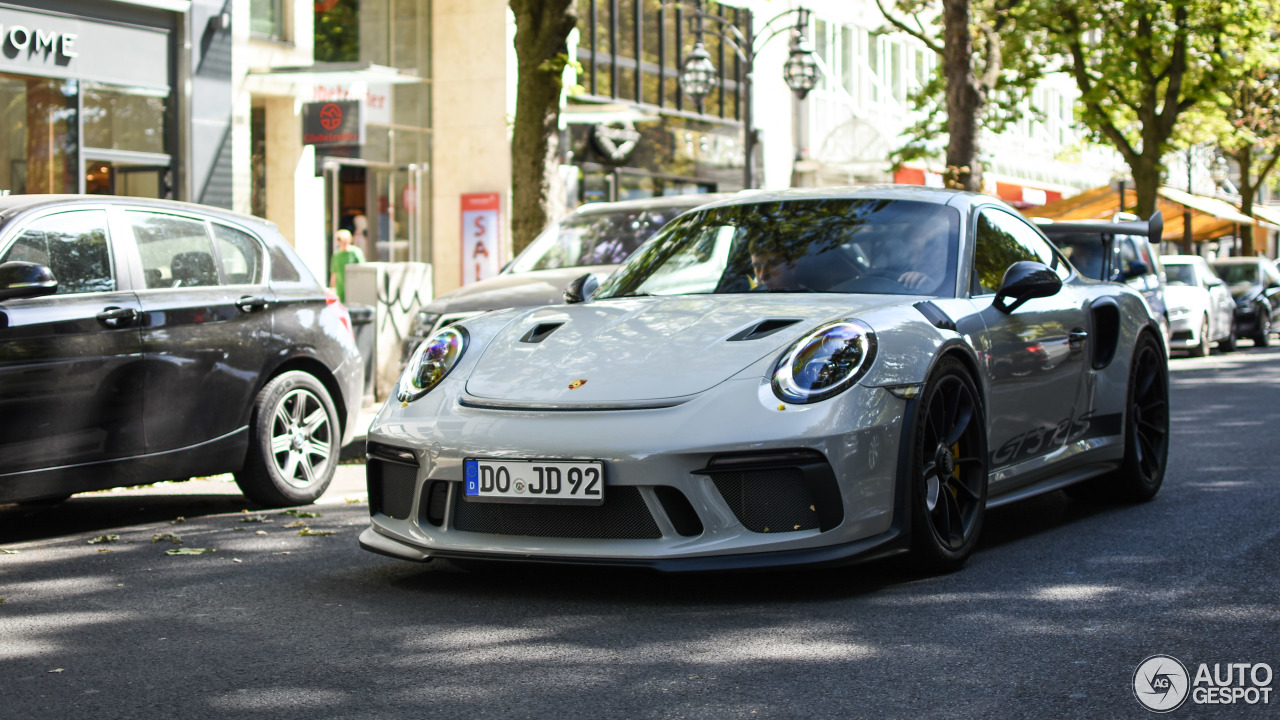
[(644, 349), (1240, 291), (529, 289), (1185, 296)]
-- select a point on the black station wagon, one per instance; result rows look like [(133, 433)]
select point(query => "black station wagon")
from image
[(145, 340)]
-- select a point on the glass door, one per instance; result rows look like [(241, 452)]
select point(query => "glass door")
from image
[(379, 204)]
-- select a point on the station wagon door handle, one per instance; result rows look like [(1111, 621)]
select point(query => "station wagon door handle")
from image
[(251, 303), (114, 317), (1076, 338)]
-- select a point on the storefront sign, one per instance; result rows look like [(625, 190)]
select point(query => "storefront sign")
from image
[(75, 48), (377, 98), (481, 239), (336, 122), (616, 140)]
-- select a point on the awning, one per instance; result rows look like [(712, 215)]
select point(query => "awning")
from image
[(1210, 218), (1267, 217), (1015, 191)]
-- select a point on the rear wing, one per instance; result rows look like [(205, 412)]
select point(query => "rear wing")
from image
[(1152, 229)]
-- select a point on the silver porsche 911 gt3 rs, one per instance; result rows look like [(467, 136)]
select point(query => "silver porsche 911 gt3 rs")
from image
[(804, 377)]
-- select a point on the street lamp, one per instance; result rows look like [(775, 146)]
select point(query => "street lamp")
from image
[(698, 74)]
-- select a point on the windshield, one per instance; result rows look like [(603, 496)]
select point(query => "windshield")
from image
[(598, 238), (878, 246), (1179, 274), (1238, 273)]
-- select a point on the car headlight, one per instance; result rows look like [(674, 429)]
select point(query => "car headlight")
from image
[(431, 362), (1178, 312), (825, 362)]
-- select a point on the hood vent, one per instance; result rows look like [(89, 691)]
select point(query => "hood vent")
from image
[(764, 328), (540, 332)]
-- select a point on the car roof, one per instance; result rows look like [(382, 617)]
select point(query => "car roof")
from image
[(940, 196), (1241, 261), (14, 204), (662, 202)]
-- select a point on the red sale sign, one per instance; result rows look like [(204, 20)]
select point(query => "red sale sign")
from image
[(481, 248)]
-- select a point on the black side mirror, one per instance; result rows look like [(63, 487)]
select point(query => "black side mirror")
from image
[(1137, 268), (1023, 281), (581, 289), (26, 280)]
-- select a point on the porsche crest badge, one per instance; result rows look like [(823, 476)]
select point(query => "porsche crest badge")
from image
[(577, 383)]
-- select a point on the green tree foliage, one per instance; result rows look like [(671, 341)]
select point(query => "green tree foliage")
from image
[(1142, 65), (990, 56), (1252, 128), (542, 52)]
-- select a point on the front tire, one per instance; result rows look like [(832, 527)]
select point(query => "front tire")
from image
[(1228, 343), (948, 470), (1263, 338), (1202, 349), (294, 441)]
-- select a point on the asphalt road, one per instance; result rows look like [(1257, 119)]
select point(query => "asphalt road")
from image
[(1051, 617)]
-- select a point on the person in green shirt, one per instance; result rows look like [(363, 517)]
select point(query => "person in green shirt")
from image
[(346, 254)]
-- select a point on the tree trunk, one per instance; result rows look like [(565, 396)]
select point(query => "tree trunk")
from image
[(1247, 190), (964, 101), (537, 195), (1146, 183)]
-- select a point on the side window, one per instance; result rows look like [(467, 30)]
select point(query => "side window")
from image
[(282, 269), (241, 256), (1003, 240), (73, 245), (176, 252)]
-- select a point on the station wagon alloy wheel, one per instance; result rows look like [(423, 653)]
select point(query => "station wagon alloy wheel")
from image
[(301, 438), (293, 443)]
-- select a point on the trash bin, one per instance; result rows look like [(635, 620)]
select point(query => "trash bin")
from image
[(366, 342)]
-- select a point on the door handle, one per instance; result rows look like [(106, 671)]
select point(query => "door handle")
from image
[(251, 303), (115, 317), (1076, 338)]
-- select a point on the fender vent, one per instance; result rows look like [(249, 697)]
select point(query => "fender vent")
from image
[(540, 332), (764, 328), (1105, 315)]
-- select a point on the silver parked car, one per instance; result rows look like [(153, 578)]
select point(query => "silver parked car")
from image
[(1200, 307), (595, 238), (802, 377)]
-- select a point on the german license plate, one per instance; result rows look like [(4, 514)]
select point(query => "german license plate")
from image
[(535, 481)]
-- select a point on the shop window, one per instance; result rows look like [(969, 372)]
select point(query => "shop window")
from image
[(337, 30), (117, 118), (39, 151), (266, 19), (632, 50)]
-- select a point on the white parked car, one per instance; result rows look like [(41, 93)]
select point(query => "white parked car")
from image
[(1200, 306)]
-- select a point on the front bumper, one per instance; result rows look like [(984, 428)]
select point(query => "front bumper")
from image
[(679, 506), (1184, 330)]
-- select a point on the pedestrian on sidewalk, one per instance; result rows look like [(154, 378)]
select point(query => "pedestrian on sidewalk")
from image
[(346, 254)]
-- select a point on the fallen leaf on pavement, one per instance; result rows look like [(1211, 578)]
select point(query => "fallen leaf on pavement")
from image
[(178, 520), (189, 551), (256, 519), (175, 539), (306, 531), (7, 551), (296, 524), (301, 513), (259, 532), (56, 670), (104, 539), (352, 501)]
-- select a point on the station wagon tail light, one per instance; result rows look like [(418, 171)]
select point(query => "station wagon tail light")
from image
[(825, 362), (331, 298), (431, 362)]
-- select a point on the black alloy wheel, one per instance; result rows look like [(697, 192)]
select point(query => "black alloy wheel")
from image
[(1228, 343), (949, 470)]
